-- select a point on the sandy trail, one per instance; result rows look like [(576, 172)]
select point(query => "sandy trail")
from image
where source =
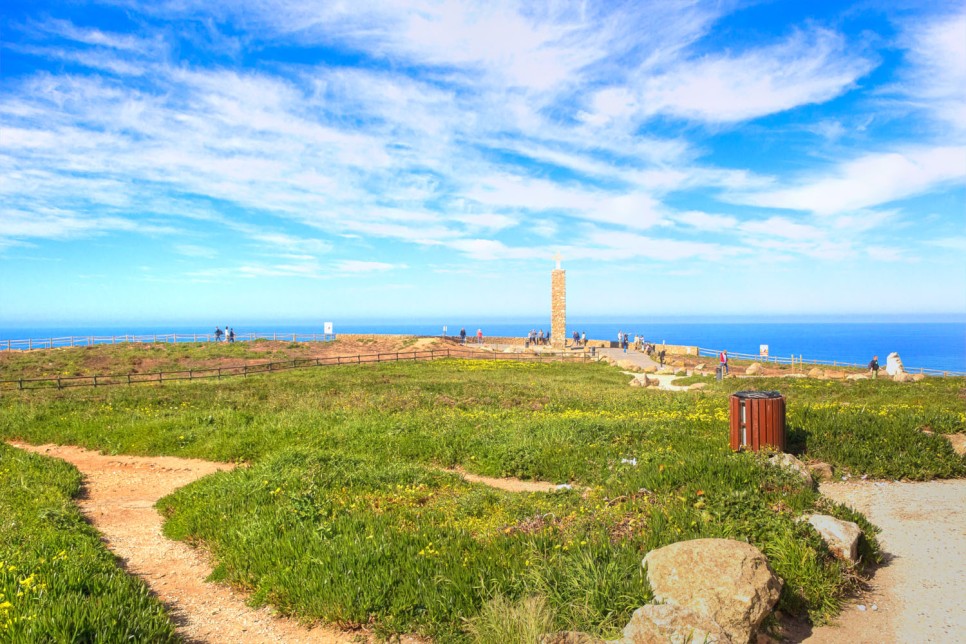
[(919, 591), (120, 493)]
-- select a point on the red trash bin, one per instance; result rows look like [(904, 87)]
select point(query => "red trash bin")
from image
[(757, 420)]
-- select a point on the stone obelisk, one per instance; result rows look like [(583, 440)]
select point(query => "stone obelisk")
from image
[(558, 305)]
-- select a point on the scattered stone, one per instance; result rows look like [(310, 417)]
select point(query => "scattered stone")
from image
[(842, 537), (789, 462), (821, 471), (795, 375), (727, 581), (958, 441), (861, 608), (836, 375), (894, 364), (569, 637), (636, 382), (666, 371), (902, 376), (698, 385), (652, 382), (628, 365), (754, 369), (815, 372), (918, 377), (857, 376), (649, 369), (700, 367), (673, 624)]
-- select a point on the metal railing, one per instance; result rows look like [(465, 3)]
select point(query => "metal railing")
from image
[(801, 362), (161, 377), (91, 340)]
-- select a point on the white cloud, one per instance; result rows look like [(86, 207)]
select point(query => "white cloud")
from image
[(359, 266), (936, 77), (867, 181), (705, 221)]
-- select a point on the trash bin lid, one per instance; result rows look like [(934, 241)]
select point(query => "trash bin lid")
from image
[(757, 394)]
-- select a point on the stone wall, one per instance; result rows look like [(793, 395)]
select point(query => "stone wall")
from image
[(558, 307)]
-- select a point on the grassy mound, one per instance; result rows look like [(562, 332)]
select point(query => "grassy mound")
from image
[(58, 583)]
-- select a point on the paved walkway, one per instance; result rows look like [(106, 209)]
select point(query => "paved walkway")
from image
[(639, 358)]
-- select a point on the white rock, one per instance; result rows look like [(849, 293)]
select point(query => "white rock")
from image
[(842, 537), (893, 364)]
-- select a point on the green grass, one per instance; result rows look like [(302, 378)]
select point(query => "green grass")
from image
[(58, 583), (344, 515)]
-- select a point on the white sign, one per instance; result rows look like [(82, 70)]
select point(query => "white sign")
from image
[(328, 328), (444, 330), (763, 350)]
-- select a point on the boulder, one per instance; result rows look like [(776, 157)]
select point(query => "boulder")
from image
[(649, 369), (789, 462), (821, 471), (652, 382), (628, 365), (836, 375), (857, 376), (958, 441), (754, 369), (672, 624), (727, 581), (918, 377), (841, 536), (697, 385), (893, 364), (636, 382), (902, 376), (815, 372)]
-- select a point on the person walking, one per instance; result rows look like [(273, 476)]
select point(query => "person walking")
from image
[(231, 336), (874, 367), (463, 335), (218, 334), (723, 360), (661, 355)]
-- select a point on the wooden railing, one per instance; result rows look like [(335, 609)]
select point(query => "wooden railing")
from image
[(160, 377), (91, 340)]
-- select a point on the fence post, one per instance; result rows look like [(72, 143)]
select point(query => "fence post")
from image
[(113, 339), (58, 382), (274, 336), (95, 381), (21, 384), (129, 379), (219, 373), (30, 344)]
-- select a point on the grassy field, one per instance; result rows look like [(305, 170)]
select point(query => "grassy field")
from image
[(345, 516)]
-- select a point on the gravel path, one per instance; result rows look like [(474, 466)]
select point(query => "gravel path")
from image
[(919, 592)]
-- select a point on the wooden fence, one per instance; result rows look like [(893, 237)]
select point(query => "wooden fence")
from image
[(91, 340), (161, 377)]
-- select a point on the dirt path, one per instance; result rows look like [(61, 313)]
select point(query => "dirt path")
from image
[(509, 484), (918, 593), (120, 493)]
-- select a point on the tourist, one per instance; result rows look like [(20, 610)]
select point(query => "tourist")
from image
[(463, 335), (723, 361), (540, 337), (479, 336), (576, 337), (660, 356), (874, 367), (583, 339), (231, 336), (624, 343), (218, 334)]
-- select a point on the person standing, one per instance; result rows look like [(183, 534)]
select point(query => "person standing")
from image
[(874, 367), (463, 335), (479, 336), (723, 360), (583, 339), (661, 355)]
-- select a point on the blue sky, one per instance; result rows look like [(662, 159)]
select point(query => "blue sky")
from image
[(303, 160)]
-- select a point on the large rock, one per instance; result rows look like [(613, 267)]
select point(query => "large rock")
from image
[(672, 624), (628, 365), (815, 372), (649, 369), (893, 364), (841, 536), (857, 376), (637, 382), (902, 376), (727, 581), (836, 375), (792, 464), (754, 369), (918, 377)]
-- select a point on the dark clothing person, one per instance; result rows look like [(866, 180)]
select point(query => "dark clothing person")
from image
[(661, 356), (231, 336), (463, 335), (218, 334), (874, 367)]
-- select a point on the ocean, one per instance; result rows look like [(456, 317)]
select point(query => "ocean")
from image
[(928, 345)]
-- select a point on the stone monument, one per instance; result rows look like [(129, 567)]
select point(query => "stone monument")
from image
[(558, 305)]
